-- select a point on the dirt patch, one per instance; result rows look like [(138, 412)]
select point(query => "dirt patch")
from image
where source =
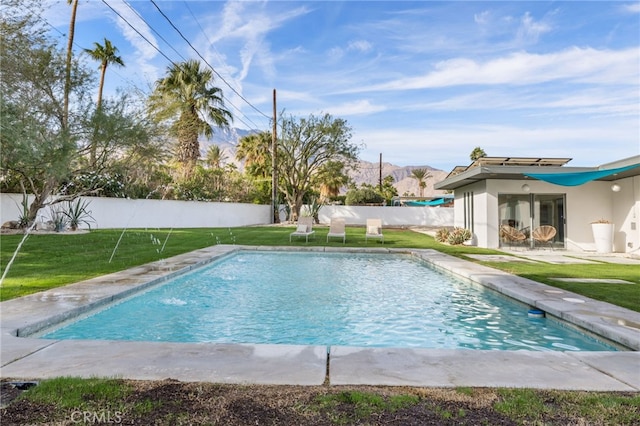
[(171, 402)]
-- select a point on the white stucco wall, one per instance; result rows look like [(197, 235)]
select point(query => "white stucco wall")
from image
[(124, 213), (390, 216), (584, 204)]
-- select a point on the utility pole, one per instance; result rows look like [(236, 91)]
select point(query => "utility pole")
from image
[(380, 175), (274, 164)]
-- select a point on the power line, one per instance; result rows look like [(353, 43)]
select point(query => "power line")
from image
[(113, 70), (201, 57), (215, 51), (139, 33), (254, 125), (153, 29)]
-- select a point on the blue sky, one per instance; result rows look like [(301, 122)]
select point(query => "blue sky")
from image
[(421, 82)]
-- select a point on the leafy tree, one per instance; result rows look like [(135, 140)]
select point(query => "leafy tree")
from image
[(39, 136), (105, 54), (186, 96), (421, 175), (477, 153), (305, 148), (131, 153), (366, 194), (42, 148)]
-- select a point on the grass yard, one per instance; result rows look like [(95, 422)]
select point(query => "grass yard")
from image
[(52, 260)]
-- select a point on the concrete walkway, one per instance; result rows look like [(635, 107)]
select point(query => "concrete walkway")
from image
[(27, 358)]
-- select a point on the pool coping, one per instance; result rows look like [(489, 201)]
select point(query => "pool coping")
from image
[(32, 358)]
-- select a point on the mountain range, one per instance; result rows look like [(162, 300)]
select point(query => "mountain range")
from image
[(366, 172)]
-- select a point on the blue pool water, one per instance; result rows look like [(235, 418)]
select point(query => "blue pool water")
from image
[(327, 299)]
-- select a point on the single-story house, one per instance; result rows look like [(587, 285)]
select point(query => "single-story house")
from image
[(495, 194)]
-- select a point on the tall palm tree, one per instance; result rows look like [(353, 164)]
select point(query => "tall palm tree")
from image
[(105, 55), (421, 175), (67, 77), (186, 95)]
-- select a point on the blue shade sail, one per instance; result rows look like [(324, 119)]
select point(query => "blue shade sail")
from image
[(578, 178), (434, 202)]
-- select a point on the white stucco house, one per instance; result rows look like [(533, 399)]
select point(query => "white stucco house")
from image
[(526, 193)]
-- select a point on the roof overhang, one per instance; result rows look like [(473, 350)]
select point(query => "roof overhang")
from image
[(506, 171)]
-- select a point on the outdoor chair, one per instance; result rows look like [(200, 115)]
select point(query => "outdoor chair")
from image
[(336, 229), (374, 230), (512, 236), (304, 228), (544, 235)]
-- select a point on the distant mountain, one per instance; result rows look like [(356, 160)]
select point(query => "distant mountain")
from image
[(227, 140), (370, 173)]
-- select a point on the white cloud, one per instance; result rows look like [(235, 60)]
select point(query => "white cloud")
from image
[(243, 28), (584, 65), (530, 30), (360, 46), (482, 18), (145, 50), (358, 107), (631, 7)]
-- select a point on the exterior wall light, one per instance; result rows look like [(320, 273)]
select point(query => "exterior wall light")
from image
[(526, 188), (615, 187)]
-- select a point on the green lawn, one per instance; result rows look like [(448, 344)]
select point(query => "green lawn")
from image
[(47, 261)]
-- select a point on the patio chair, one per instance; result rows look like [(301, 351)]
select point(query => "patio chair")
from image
[(336, 229), (512, 236), (544, 235), (374, 230), (304, 228)]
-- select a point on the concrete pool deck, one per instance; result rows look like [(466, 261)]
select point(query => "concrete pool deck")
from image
[(29, 358)]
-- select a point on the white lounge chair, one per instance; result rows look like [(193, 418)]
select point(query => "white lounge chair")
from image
[(304, 228), (336, 229), (374, 230)]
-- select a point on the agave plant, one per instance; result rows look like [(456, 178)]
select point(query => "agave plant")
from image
[(442, 235), (458, 236), (78, 214)]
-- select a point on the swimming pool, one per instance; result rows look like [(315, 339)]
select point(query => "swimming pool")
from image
[(327, 299)]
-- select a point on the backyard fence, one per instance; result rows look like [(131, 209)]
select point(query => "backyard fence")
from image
[(109, 213)]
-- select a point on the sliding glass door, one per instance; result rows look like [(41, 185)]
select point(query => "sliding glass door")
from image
[(528, 212)]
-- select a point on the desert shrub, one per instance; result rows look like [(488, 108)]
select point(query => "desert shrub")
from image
[(458, 236), (442, 235)]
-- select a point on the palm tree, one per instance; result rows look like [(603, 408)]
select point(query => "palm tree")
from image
[(67, 77), (186, 96), (421, 175), (215, 157), (255, 150), (477, 153), (105, 55), (332, 177)]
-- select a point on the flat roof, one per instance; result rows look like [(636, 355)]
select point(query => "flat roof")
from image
[(519, 161), (515, 168)]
